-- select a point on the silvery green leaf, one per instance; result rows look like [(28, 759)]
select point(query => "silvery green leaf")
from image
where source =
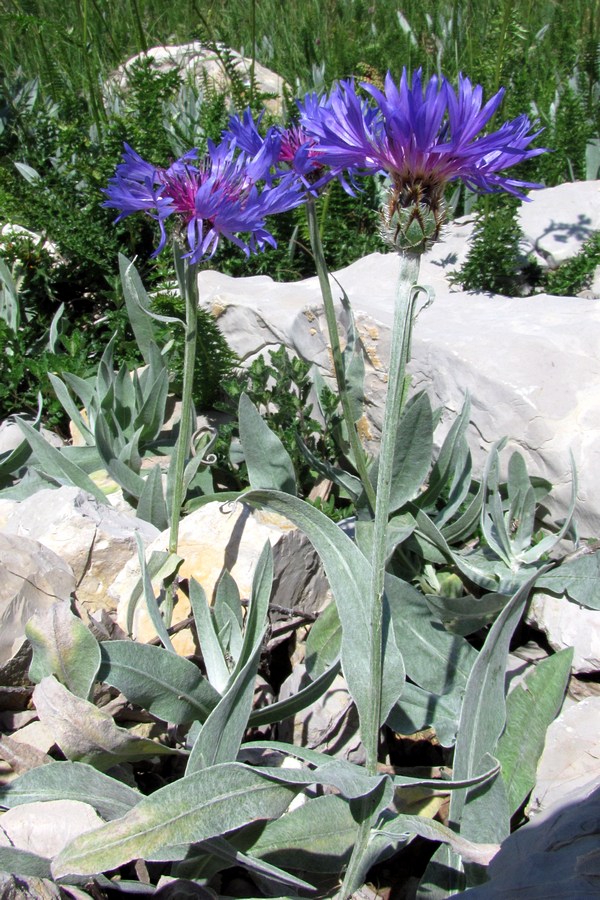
[(348, 572), (435, 660), (71, 781), (521, 511), (577, 578), (269, 464), (23, 863), (445, 464), (308, 694), (222, 732), (400, 825), (28, 172), (350, 483), (151, 505), (137, 303), (53, 335), (55, 465), (170, 687), (539, 550), (84, 388), (228, 615), (481, 723), (463, 527), (412, 452), (70, 408), (152, 604), (212, 651), (161, 566), (195, 808), (258, 608), (466, 614), (316, 837), (418, 709), (323, 642), (530, 708), (85, 733), (65, 647)]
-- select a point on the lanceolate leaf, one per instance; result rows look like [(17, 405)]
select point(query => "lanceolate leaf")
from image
[(71, 781), (54, 464), (169, 686), (269, 464), (577, 578), (195, 808), (85, 733), (65, 647), (21, 862), (483, 718), (530, 709)]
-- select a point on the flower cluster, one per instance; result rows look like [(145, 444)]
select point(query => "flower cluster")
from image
[(421, 136), (223, 195)]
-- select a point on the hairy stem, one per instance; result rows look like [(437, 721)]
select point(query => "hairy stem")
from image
[(395, 400)]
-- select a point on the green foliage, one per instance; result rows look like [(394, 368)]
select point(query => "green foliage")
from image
[(496, 262), (215, 361), (575, 274), (280, 389)]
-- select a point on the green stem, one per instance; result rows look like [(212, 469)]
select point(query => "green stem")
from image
[(336, 351), (395, 400), (189, 288)]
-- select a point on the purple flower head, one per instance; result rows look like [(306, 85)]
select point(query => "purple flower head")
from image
[(213, 198), (290, 149), (423, 137)]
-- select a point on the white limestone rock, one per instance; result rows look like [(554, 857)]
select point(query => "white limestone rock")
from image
[(567, 624), (571, 757), (196, 61), (557, 221), (95, 540), (32, 578)]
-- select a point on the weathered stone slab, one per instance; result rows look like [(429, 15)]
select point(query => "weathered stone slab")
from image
[(199, 62), (32, 578), (95, 540)]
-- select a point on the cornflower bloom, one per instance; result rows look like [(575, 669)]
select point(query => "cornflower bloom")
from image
[(217, 197), (423, 138)]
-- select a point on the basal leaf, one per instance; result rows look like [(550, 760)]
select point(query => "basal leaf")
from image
[(86, 734), (210, 803), (71, 781), (530, 708), (65, 647), (170, 687)]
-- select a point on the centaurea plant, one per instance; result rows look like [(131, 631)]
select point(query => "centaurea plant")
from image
[(422, 138)]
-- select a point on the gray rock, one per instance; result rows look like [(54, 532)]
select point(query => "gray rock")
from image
[(571, 759), (568, 624), (95, 540), (330, 725), (558, 221), (198, 62), (554, 857), (32, 578)]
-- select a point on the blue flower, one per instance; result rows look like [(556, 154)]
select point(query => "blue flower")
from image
[(222, 196), (423, 137)]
